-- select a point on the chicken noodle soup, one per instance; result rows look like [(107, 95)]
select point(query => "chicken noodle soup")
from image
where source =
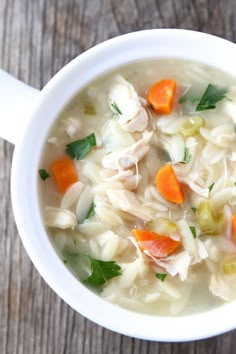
[(138, 186)]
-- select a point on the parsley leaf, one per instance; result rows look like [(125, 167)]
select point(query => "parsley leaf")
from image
[(80, 148), (187, 156), (91, 211), (211, 186), (43, 174), (210, 97), (161, 276), (115, 108), (194, 210), (99, 271), (193, 230)]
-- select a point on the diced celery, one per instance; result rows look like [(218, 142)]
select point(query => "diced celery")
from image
[(229, 266), (89, 110), (162, 226), (192, 125), (209, 222)]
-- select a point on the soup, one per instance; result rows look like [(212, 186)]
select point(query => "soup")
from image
[(138, 186)]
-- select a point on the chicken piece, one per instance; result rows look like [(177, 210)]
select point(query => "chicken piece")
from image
[(138, 123), (221, 288), (60, 218), (71, 126), (110, 175), (127, 201), (194, 246), (124, 100), (174, 264), (128, 157)]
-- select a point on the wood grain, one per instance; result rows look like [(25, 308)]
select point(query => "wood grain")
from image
[(37, 38)]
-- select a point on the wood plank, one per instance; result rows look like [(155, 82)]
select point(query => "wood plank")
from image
[(37, 38)]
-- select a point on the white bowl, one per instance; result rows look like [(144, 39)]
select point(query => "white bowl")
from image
[(55, 95)]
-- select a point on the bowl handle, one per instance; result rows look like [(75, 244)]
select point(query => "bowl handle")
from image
[(16, 102)]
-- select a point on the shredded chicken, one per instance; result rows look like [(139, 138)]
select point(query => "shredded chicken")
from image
[(127, 201), (71, 126), (194, 246), (130, 156), (132, 116), (175, 264), (220, 288)]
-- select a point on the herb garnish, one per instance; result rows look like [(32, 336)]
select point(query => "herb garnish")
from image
[(115, 108), (99, 271), (91, 211), (43, 174), (187, 156), (193, 230), (194, 210), (208, 100), (210, 97), (80, 148), (211, 186), (161, 276)]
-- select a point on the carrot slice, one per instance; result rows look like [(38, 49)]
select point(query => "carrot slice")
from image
[(63, 173), (168, 185), (234, 228), (157, 245), (161, 96)]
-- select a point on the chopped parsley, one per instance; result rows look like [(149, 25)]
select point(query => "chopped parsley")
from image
[(115, 108), (161, 276), (210, 97), (211, 186), (80, 148), (208, 100), (91, 211), (187, 156), (193, 230), (194, 210), (99, 271), (43, 174)]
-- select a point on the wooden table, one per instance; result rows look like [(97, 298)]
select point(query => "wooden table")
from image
[(37, 38)]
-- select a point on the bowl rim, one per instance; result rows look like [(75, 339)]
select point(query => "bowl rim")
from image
[(24, 190)]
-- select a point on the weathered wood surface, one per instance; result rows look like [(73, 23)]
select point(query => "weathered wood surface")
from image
[(37, 38)]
